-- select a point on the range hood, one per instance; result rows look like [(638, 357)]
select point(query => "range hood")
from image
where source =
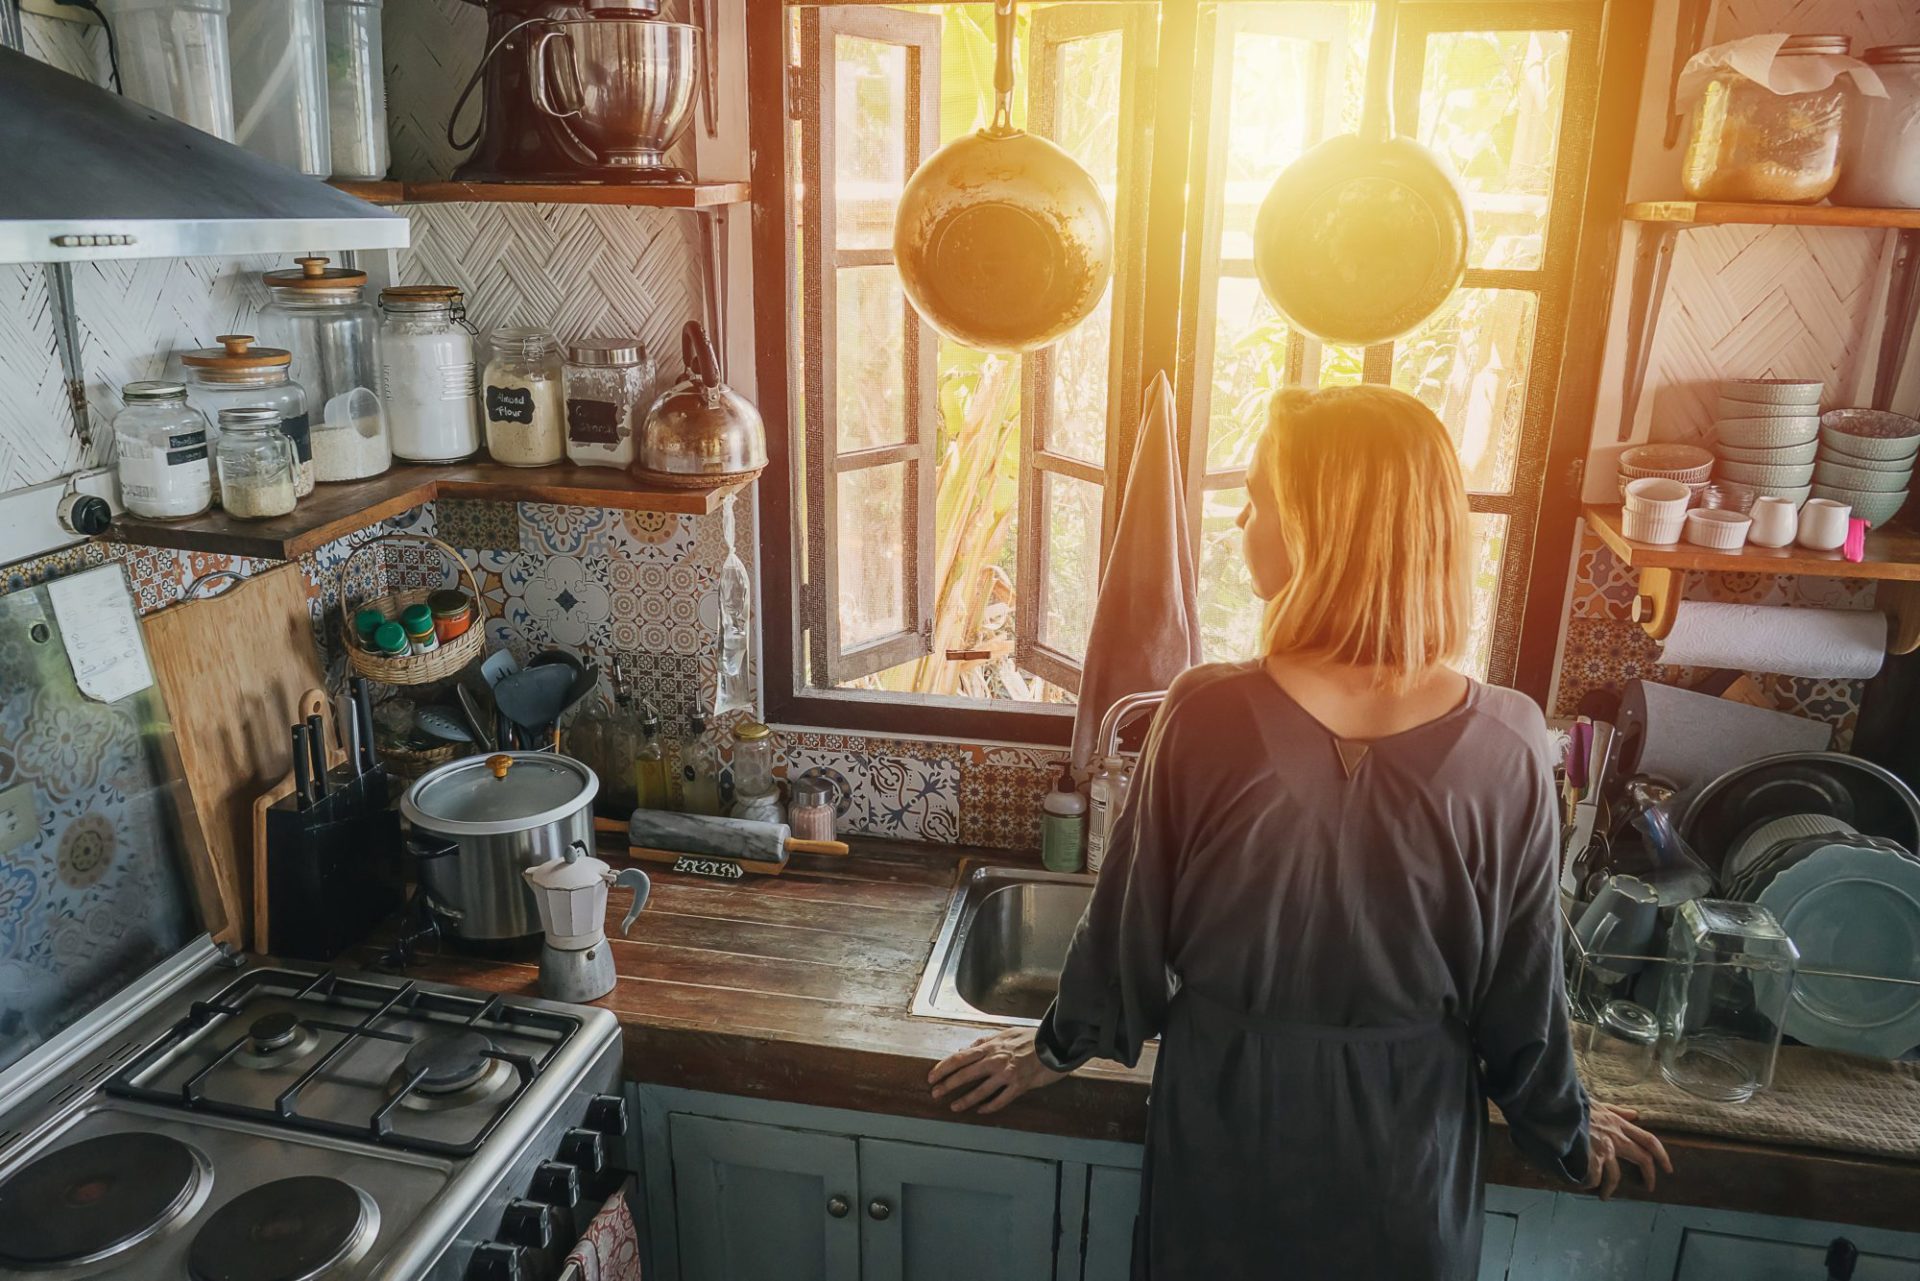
[(86, 174)]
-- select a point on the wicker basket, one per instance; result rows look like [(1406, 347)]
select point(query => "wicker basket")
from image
[(407, 764), (413, 669)]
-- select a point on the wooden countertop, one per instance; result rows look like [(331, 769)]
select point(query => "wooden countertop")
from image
[(797, 988)]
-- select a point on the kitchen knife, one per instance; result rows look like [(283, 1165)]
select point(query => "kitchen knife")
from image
[(317, 755), (302, 772), (363, 708)]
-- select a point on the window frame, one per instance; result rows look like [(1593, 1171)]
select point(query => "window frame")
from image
[(1590, 200)]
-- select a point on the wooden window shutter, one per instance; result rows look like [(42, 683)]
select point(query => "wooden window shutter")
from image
[(870, 95)]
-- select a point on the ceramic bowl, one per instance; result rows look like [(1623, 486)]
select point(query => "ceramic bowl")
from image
[(1773, 391), (1753, 409), (1840, 447), (1767, 433), (1657, 495), (1662, 528), (1685, 463), (1873, 506), (1786, 455), (1724, 530), (1763, 474), (1829, 472), (1872, 433)]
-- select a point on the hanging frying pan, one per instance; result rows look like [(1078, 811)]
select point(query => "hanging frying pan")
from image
[(1366, 235), (1002, 239)]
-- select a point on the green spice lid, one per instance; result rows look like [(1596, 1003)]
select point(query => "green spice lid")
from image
[(417, 619), (390, 639), (366, 622)]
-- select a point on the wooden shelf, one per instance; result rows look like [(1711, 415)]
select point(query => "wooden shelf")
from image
[(1893, 554), (333, 511), (1716, 213), (698, 195)]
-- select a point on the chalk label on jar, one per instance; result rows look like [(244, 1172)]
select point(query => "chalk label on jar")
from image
[(187, 447), (510, 405), (296, 430), (593, 422)]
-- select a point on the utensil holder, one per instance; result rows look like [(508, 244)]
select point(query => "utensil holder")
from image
[(334, 870), (411, 669)]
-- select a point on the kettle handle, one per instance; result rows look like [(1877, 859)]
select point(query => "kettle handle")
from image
[(542, 89), (636, 880), (696, 353)]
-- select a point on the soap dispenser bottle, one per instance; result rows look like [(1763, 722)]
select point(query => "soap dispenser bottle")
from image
[(1063, 825)]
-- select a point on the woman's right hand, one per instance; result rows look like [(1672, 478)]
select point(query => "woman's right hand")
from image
[(1614, 1139)]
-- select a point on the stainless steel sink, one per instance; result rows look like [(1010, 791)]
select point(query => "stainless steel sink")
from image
[(997, 958)]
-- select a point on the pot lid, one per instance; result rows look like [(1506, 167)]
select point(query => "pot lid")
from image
[(576, 870), (505, 792), (315, 274), (236, 351)]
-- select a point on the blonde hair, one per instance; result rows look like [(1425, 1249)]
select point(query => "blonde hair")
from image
[(1372, 511)]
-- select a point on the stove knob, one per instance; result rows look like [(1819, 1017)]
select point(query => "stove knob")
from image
[(555, 1184), (607, 1113), (527, 1223), (584, 1150), (494, 1262)]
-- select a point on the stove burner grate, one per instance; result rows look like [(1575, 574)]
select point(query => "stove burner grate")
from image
[(95, 1197), (287, 1230), (445, 1062)]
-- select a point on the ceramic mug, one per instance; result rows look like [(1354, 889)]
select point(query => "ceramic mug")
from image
[(1823, 524), (1775, 522), (1619, 926)]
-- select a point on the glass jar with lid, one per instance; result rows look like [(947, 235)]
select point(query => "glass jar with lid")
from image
[(1749, 143), (239, 375), (752, 759), (160, 444), (1881, 161), (520, 399), (427, 374), (609, 383), (256, 461), (321, 315)]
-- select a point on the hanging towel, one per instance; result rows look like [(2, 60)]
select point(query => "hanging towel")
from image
[(610, 1251), (1146, 624)]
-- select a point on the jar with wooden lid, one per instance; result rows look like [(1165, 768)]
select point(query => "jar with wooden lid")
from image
[(240, 375), (427, 375), (256, 462), (321, 315), (1749, 143), (1881, 168)]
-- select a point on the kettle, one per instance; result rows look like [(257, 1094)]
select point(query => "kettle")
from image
[(571, 893), (700, 431)]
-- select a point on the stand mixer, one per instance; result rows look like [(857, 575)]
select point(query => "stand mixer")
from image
[(575, 962)]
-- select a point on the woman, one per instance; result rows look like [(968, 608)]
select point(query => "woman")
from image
[(1332, 896)]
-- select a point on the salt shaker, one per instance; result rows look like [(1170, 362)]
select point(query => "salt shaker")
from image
[(811, 812)]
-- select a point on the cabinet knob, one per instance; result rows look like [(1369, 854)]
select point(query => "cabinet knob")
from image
[(878, 1209), (838, 1206)]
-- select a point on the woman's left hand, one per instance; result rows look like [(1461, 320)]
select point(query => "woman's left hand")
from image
[(1000, 1068)]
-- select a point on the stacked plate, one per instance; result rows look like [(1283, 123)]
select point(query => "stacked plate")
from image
[(1767, 433), (1866, 461), (1691, 465)]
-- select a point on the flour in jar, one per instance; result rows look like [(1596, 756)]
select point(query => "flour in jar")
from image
[(524, 422)]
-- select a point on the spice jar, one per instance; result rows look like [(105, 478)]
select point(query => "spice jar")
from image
[(1881, 168), (239, 375), (426, 373), (1752, 144), (417, 622), (452, 613), (365, 623), (256, 461), (812, 811), (161, 445), (320, 314), (609, 382), (521, 401), (390, 641)]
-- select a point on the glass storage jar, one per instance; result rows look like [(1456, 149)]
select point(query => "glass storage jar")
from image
[(356, 90), (752, 759), (173, 58), (520, 399), (160, 443), (427, 374), (1749, 143), (256, 461), (1881, 165), (609, 384), (321, 315), (239, 375), (1729, 975), (278, 53)]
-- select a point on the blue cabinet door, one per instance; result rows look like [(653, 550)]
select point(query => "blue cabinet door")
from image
[(942, 1214), (753, 1202), (1721, 1256), (1113, 1199)]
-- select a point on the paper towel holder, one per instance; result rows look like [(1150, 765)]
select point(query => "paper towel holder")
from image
[(1656, 604)]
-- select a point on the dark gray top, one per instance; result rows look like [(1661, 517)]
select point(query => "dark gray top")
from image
[(1347, 950)]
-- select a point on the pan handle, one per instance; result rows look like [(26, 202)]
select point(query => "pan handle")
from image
[(1003, 25), (1376, 115)]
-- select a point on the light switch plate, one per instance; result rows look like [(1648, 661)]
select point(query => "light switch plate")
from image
[(18, 821)]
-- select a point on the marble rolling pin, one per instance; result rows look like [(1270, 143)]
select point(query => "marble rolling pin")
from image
[(690, 840)]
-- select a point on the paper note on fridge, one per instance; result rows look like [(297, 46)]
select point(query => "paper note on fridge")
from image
[(101, 631)]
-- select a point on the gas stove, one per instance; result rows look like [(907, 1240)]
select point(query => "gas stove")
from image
[(221, 1121)]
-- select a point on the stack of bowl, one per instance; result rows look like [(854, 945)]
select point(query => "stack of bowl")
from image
[(1767, 432), (1866, 461), (1691, 465), (1656, 510)]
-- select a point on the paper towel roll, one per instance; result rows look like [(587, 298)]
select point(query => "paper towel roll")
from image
[(1770, 638)]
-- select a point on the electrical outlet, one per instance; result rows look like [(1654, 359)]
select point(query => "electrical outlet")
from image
[(18, 821)]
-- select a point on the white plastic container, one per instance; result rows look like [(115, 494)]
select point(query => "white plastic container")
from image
[(356, 89), (173, 58), (278, 49)]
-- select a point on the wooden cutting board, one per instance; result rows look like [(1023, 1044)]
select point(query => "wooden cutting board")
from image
[(232, 668)]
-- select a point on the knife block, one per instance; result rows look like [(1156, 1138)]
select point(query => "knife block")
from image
[(334, 870)]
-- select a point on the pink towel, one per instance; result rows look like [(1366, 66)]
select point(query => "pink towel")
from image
[(1146, 624), (610, 1251)]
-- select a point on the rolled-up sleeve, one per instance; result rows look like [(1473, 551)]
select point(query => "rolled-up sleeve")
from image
[(1114, 985)]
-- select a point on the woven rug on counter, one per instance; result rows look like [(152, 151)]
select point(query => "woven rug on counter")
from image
[(1818, 1099)]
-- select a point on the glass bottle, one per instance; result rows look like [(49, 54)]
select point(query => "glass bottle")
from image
[(609, 385), (427, 375), (650, 764), (520, 399), (160, 443), (321, 315), (699, 769), (239, 375), (256, 460)]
